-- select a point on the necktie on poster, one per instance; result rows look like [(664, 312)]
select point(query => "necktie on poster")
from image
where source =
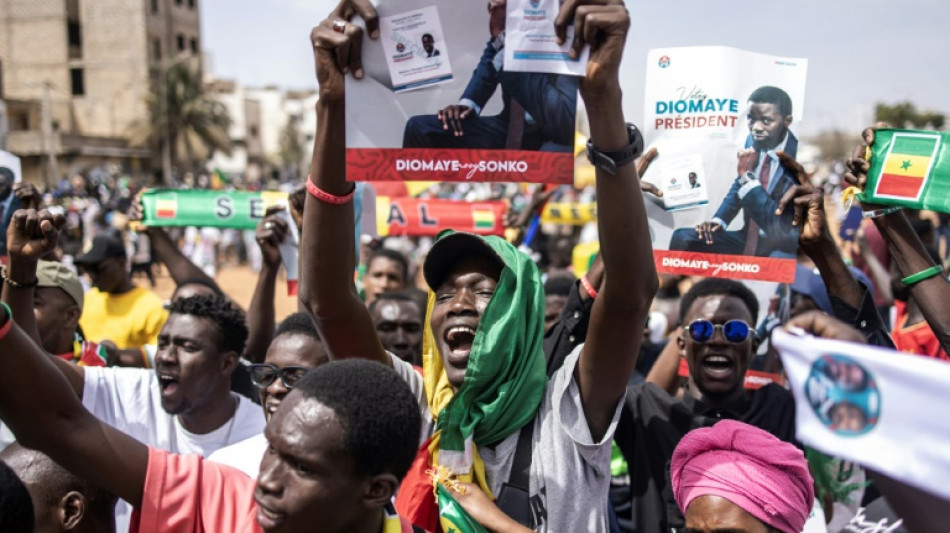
[(909, 169), (864, 404), (705, 105), (439, 101)]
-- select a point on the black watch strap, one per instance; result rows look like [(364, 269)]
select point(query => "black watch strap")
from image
[(610, 161)]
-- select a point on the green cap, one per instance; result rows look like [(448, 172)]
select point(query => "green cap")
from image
[(55, 274)]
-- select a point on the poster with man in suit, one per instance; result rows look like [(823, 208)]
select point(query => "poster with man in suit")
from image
[(468, 113), (731, 110)]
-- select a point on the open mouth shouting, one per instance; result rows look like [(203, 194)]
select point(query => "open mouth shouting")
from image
[(458, 341), (168, 383), (718, 367)]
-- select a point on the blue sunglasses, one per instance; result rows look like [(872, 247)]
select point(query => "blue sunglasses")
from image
[(734, 331)]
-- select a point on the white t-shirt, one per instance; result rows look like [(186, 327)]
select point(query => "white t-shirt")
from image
[(245, 455), (129, 399), (566, 464)]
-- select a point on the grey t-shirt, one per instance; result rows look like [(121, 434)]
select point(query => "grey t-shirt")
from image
[(570, 473)]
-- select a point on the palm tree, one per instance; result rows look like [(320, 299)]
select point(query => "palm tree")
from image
[(184, 116)]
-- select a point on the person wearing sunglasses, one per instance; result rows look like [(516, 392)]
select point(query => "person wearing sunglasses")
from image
[(296, 348), (717, 339)]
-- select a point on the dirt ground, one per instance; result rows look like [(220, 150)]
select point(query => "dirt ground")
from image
[(238, 282)]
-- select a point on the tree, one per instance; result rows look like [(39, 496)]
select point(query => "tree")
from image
[(905, 115), (291, 149), (183, 115)]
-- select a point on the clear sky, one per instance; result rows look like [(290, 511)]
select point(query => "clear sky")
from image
[(860, 51)]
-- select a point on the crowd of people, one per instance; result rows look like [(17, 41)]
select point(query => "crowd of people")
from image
[(460, 378)]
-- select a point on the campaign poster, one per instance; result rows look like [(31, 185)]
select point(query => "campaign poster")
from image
[(413, 58), (507, 126), (718, 116), (531, 44)]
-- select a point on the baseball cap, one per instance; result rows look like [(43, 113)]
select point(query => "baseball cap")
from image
[(808, 282), (448, 249), (55, 274), (104, 246)]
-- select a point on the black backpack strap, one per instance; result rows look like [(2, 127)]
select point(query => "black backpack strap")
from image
[(514, 499)]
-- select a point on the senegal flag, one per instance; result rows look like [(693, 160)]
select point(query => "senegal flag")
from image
[(166, 206), (453, 518), (909, 169), (483, 218)]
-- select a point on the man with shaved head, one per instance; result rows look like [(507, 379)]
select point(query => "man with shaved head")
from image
[(61, 500)]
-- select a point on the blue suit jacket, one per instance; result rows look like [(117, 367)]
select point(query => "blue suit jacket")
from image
[(550, 99), (5, 223), (759, 205)]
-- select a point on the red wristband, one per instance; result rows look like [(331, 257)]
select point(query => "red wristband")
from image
[(326, 197), (587, 287)]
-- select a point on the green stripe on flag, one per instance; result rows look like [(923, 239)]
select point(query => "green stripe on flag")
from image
[(914, 145)]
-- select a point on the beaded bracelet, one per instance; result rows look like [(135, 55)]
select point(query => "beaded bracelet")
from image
[(326, 197), (922, 275), (9, 322), (876, 213), (588, 287), (17, 284)]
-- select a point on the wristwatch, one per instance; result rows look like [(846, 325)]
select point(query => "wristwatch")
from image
[(610, 161)]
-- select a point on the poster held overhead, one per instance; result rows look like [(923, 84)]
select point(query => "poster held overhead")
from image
[(718, 116), (449, 107)]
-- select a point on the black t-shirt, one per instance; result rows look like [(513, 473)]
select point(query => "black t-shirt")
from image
[(653, 422)]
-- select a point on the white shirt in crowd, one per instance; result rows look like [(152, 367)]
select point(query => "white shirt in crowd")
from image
[(129, 399), (245, 455)]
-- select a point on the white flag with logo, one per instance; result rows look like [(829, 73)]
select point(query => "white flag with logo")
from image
[(884, 409)]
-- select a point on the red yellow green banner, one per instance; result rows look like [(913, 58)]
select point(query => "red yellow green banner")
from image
[(417, 217)]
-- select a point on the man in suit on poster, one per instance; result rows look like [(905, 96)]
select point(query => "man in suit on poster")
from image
[(759, 186), (539, 109)]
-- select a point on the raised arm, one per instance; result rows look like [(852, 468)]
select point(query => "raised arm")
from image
[(814, 238), (613, 339), (271, 231), (326, 247), (44, 413), (910, 256), (25, 246), (180, 268)]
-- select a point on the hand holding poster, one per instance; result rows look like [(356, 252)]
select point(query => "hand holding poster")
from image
[(532, 44), (718, 116), (494, 124)]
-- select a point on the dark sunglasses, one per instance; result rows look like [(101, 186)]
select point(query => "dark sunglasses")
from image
[(734, 331), (264, 374)]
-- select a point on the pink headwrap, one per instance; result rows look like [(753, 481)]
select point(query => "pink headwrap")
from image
[(766, 477)]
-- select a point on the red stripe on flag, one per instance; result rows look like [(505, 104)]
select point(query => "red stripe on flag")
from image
[(894, 185), (165, 213)]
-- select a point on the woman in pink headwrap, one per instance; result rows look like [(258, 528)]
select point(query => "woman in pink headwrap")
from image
[(738, 477)]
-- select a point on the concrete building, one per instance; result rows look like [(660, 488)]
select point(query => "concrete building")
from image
[(259, 117), (76, 74)]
